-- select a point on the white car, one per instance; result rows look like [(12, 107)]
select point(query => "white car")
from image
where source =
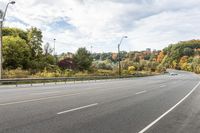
[(173, 74)]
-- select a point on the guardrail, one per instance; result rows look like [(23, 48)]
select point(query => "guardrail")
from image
[(31, 81)]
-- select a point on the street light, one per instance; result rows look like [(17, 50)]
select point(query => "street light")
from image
[(119, 53), (2, 18)]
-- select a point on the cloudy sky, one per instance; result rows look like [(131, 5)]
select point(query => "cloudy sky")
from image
[(101, 23)]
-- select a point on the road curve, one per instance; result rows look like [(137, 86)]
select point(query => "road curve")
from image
[(157, 104)]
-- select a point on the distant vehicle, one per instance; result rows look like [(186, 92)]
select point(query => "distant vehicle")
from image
[(173, 74)]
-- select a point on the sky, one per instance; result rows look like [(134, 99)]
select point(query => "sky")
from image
[(101, 23)]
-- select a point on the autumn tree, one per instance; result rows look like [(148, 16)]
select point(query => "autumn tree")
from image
[(160, 57)]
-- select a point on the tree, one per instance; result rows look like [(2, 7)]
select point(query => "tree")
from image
[(47, 49), (184, 63), (16, 53), (67, 63), (15, 32), (35, 42), (160, 57), (188, 51), (196, 64), (147, 57), (83, 59)]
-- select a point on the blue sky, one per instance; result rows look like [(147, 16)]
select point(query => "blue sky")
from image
[(101, 23)]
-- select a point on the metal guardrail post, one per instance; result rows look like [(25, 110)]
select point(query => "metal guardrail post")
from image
[(16, 83), (31, 83), (44, 82)]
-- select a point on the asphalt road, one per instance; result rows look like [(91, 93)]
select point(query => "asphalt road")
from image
[(157, 104)]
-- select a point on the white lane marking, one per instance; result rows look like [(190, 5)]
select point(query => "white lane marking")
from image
[(168, 111), (53, 97), (162, 86), (38, 93), (79, 108), (140, 92), (39, 99)]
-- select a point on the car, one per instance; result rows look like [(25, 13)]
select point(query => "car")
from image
[(173, 74)]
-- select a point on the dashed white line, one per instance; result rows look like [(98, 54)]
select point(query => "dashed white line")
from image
[(79, 108), (38, 93), (38, 99), (140, 92), (168, 111), (162, 86)]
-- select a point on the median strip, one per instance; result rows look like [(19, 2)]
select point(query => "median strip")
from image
[(79, 108)]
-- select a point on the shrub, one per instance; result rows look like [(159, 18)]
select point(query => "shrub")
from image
[(81, 74), (131, 69), (16, 73), (102, 72)]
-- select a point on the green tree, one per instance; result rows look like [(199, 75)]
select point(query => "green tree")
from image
[(16, 53), (48, 50), (15, 32), (35, 42), (83, 59), (188, 51)]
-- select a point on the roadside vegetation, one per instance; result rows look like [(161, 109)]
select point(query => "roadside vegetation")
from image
[(24, 56)]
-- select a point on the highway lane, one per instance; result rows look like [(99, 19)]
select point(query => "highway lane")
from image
[(119, 106)]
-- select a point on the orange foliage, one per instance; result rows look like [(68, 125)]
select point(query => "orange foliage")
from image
[(160, 57)]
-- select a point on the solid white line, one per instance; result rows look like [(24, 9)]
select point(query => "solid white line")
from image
[(38, 99), (79, 108), (167, 112), (140, 92)]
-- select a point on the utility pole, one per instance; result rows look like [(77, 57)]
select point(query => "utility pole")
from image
[(119, 58), (54, 48), (2, 18)]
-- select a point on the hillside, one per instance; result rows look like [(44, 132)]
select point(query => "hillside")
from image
[(184, 55)]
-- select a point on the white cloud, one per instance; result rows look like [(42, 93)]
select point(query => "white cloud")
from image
[(148, 23)]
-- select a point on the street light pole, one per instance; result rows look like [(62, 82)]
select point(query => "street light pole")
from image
[(119, 58), (2, 18)]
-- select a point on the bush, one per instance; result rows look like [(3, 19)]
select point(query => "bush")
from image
[(47, 74), (68, 73), (17, 73), (131, 70), (81, 74), (102, 72)]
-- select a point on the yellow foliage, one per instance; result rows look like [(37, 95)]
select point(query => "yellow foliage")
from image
[(17, 73), (131, 69), (160, 57)]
